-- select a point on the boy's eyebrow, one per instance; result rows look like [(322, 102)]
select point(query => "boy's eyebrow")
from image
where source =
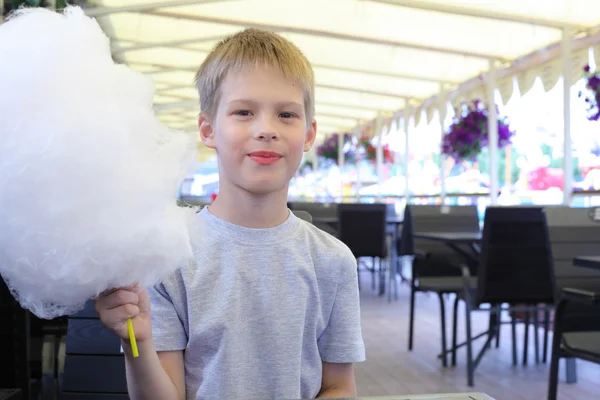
[(252, 102)]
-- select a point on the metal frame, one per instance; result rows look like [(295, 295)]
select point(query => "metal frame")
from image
[(104, 11), (477, 13), (323, 33)]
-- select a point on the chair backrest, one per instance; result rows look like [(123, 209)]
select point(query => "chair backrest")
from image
[(573, 232), (94, 365), (304, 215), (14, 342), (362, 227), (443, 219), (516, 257)]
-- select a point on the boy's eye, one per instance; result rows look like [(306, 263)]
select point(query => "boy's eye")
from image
[(287, 115), (243, 113)]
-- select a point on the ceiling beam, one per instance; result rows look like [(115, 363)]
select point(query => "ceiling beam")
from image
[(338, 116), (479, 13), (324, 33), (333, 87), (385, 74), (365, 91), (349, 106), (103, 11), (167, 107), (332, 128), (174, 43), (168, 68), (532, 60)]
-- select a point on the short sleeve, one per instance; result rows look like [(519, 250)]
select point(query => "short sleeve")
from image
[(168, 327), (342, 341)]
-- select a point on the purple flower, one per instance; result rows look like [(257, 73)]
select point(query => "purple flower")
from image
[(468, 134), (586, 68)]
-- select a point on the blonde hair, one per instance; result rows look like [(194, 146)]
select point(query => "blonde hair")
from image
[(254, 47)]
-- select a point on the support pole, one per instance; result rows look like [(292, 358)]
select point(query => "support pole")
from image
[(492, 134), (442, 113), (379, 158), (341, 163), (567, 141), (406, 151)]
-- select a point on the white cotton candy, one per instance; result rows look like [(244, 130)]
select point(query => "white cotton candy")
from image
[(88, 175)]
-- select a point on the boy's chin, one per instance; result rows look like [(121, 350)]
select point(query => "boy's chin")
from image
[(264, 188)]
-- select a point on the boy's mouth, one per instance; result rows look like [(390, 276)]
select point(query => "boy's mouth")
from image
[(265, 157)]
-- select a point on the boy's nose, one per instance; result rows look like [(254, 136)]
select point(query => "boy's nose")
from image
[(266, 130), (267, 135)]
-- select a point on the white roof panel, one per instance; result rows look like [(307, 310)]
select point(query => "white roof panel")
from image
[(369, 56)]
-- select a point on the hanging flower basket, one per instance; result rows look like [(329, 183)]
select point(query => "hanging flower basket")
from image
[(370, 151), (592, 92), (468, 134), (329, 148)]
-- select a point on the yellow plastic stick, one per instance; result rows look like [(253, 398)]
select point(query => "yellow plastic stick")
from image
[(131, 333)]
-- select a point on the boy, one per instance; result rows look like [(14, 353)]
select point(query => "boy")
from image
[(271, 310)]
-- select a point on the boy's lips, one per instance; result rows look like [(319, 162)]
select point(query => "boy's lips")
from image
[(264, 157)]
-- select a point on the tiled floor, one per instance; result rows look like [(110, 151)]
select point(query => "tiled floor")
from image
[(391, 369)]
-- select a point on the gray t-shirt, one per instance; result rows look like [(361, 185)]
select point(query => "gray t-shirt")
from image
[(260, 311)]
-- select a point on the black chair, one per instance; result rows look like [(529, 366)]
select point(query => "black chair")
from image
[(362, 227), (515, 269), (15, 327), (576, 332), (94, 367), (573, 232), (11, 394), (28, 349), (435, 265)]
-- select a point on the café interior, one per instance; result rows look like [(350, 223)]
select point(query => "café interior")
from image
[(476, 233)]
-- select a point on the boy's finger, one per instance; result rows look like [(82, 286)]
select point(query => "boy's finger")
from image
[(119, 298), (118, 315)]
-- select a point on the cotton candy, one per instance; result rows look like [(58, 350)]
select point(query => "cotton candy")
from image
[(88, 175)]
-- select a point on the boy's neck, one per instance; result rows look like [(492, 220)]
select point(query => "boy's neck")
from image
[(250, 211)]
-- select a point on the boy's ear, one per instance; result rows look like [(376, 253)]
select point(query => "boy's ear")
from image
[(311, 135), (207, 132)]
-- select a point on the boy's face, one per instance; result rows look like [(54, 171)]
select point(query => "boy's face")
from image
[(259, 130)]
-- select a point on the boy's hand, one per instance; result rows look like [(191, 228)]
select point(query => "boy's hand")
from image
[(115, 306)]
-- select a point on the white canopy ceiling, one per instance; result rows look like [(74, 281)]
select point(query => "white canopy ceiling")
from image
[(369, 56)]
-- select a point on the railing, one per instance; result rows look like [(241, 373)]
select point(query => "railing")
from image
[(585, 198)]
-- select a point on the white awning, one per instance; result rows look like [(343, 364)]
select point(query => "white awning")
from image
[(369, 56)]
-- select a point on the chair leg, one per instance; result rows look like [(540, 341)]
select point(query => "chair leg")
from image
[(411, 319), (373, 273), (443, 328), (554, 359), (454, 328), (499, 326), (358, 273), (571, 370), (513, 327), (526, 341), (470, 366), (546, 328), (382, 272), (536, 336)]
